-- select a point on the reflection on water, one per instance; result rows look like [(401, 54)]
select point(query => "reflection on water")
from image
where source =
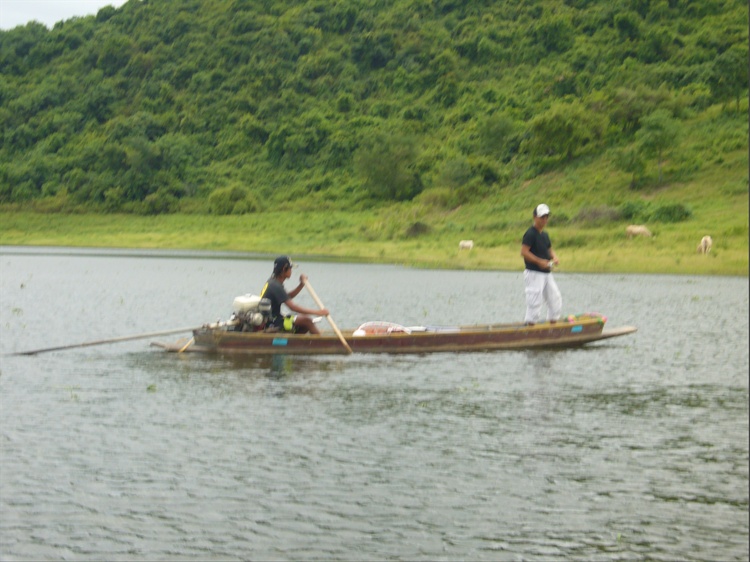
[(241, 364), (280, 365), (634, 448)]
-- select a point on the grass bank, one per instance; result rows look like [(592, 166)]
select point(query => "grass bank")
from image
[(708, 176), (410, 236)]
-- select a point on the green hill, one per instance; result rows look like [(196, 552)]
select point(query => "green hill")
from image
[(611, 111)]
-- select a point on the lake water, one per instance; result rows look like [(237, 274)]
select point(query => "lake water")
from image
[(634, 448)]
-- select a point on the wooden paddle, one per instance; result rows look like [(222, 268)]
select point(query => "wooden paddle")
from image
[(330, 320), (115, 340)]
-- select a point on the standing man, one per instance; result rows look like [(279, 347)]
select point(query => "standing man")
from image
[(274, 291), (539, 257)]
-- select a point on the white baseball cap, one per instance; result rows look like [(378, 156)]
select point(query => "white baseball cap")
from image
[(541, 210)]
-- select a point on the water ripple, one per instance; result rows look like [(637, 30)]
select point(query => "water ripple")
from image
[(631, 449)]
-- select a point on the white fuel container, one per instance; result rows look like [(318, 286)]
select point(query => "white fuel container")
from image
[(246, 303)]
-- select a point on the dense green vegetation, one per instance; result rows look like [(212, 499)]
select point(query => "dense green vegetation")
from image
[(245, 105), (450, 117)]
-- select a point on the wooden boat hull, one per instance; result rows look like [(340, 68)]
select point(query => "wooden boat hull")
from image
[(567, 333)]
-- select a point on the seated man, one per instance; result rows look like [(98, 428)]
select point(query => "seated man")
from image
[(275, 292)]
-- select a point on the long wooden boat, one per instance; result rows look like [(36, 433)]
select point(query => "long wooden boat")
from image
[(385, 337)]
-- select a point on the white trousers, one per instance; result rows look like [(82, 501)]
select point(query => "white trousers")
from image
[(540, 289)]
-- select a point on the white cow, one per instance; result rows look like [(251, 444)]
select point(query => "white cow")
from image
[(466, 245), (637, 230), (705, 245)]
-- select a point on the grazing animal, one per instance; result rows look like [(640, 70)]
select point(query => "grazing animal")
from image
[(705, 245), (466, 245), (637, 230)]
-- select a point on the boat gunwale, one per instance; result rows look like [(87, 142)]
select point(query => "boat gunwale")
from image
[(552, 335), (463, 330)]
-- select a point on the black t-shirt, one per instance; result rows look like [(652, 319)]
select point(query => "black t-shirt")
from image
[(275, 292), (540, 244)]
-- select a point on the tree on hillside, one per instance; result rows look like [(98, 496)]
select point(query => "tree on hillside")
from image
[(555, 33), (658, 134), (387, 164), (564, 131), (628, 106), (498, 136), (729, 74), (631, 161)]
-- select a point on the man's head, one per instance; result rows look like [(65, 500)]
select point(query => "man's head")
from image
[(282, 264), (541, 214), (541, 210)]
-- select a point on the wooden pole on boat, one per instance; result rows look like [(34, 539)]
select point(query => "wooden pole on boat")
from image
[(188, 344), (330, 320), (113, 340)]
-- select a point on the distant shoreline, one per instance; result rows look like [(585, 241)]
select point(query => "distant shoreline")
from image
[(671, 251), (93, 251)]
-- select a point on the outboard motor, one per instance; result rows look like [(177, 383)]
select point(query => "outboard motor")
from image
[(252, 312)]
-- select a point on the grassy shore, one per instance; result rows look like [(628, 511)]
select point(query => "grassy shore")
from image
[(400, 235)]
